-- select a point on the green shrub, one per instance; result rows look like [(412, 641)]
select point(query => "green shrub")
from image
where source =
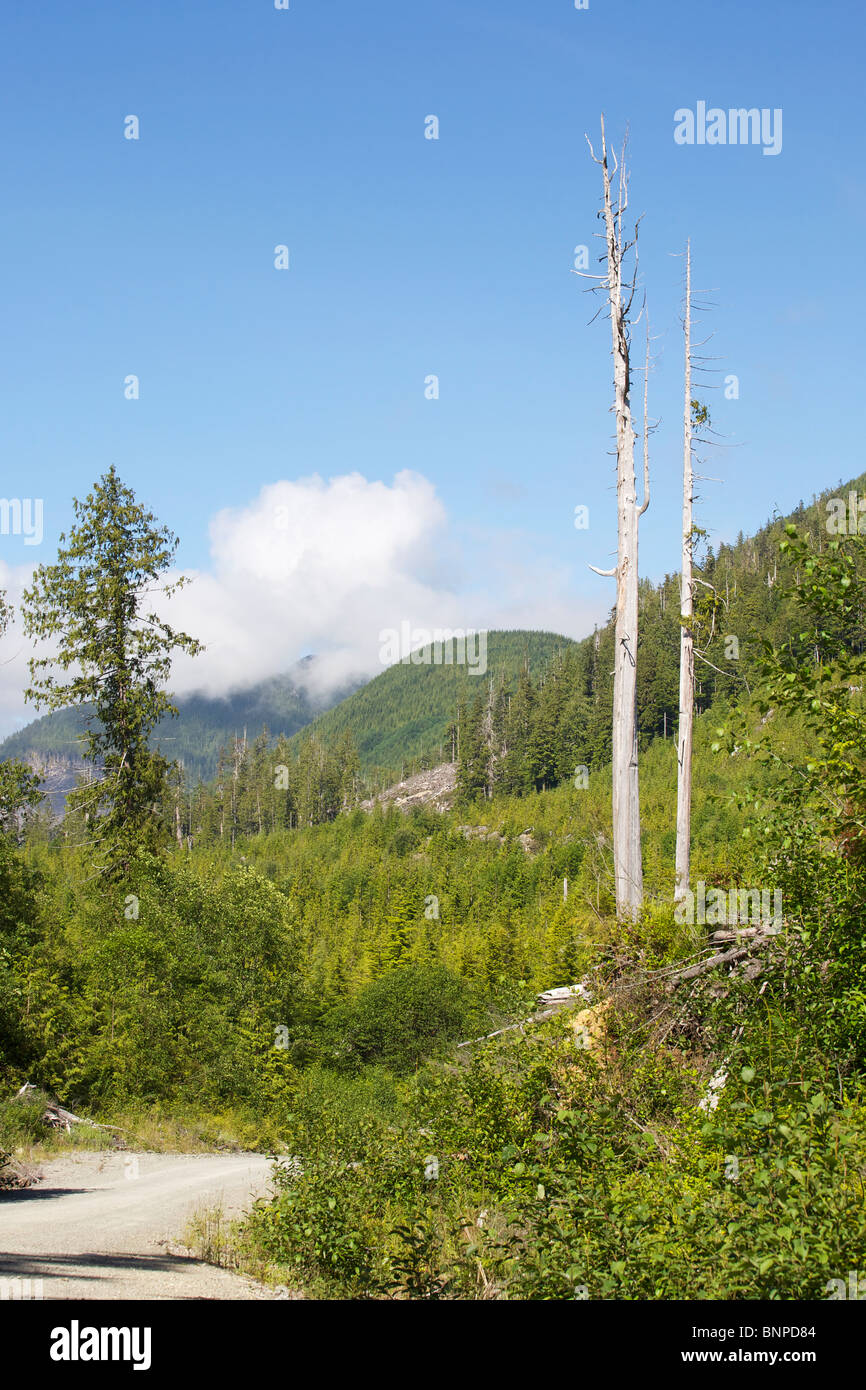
[(401, 1018)]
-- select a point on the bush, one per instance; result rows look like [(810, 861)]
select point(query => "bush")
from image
[(402, 1018), (21, 1121)]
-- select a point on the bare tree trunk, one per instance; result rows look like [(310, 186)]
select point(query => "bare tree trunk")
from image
[(687, 640), (487, 735), (628, 868)]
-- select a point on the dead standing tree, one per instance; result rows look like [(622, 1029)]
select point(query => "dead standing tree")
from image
[(628, 867), (685, 730), (696, 417)]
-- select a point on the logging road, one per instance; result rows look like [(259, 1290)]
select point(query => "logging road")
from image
[(110, 1225)]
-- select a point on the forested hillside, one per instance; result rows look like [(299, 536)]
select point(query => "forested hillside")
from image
[(405, 718), (410, 716), (538, 717), (202, 728), (531, 734), (262, 962)]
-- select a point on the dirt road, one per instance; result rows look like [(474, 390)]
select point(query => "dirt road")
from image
[(103, 1225)]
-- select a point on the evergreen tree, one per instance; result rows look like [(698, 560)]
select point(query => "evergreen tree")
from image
[(94, 603), (473, 761), (19, 787), (518, 770)]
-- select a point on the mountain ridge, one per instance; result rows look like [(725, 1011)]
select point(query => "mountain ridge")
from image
[(203, 726), (400, 719)]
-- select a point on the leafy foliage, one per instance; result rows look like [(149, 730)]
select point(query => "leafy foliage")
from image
[(95, 602), (401, 1018), (312, 965)]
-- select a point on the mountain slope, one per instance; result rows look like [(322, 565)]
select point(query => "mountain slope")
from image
[(404, 714), (400, 719), (204, 724), (538, 732), (399, 715)]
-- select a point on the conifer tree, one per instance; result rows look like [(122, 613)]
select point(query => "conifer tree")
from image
[(116, 652), (518, 760), (472, 764), (19, 787)]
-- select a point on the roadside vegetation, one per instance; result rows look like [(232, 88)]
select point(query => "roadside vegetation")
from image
[(304, 991)]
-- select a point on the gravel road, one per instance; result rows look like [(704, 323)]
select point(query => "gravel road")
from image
[(109, 1226)]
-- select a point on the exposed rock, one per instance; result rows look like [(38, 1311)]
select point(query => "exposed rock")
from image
[(434, 788), (473, 832), (58, 774), (481, 832)]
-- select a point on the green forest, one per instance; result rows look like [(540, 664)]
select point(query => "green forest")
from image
[(257, 960)]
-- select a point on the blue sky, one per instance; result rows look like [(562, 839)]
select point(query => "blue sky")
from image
[(411, 257)]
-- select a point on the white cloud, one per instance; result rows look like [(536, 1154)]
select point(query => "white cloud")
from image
[(314, 566), (325, 566)]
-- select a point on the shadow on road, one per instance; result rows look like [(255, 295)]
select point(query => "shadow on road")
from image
[(22, 1264), (35, 1194), (87, 1265)]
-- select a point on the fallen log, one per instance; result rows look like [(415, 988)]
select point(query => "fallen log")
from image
[(720, 958), (549, 1003), (55, 1117)]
